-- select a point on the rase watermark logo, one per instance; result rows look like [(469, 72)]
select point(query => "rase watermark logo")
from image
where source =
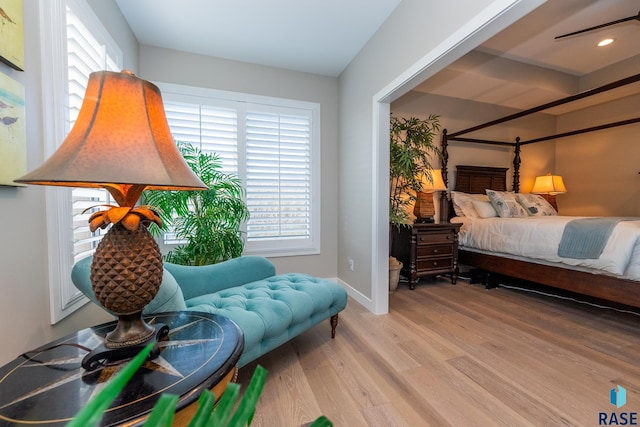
[(618, 398)]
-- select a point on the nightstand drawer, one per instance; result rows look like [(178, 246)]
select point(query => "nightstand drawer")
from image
[(427, 250), (431, 250), (434, 238), (435, 263)]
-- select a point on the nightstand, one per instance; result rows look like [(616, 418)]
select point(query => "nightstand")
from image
[(427, 250)]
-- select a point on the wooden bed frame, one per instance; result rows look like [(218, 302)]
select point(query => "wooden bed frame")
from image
[(475, 179)]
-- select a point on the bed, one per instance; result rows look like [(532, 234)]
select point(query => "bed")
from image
[(620, 285)]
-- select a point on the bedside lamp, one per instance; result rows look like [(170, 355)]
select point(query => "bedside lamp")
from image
[(548, 186), (121, 142), (424, 209)]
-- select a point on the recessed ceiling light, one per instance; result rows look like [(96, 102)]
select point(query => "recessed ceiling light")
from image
[(605, 42)]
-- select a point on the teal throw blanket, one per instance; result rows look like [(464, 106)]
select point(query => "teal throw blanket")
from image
[(585, 238)]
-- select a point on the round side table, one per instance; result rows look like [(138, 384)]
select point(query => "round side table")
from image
[(48, 386)]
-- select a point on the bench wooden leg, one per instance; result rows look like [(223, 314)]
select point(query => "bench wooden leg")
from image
[(334, 324)]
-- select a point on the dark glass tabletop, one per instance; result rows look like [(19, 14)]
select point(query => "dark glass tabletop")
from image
[(48, 386)]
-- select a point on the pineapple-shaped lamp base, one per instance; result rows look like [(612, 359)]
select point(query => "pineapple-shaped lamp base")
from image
[(126, 274)]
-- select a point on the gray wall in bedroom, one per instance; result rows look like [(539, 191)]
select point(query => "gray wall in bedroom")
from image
[(600, 169), (457, 114)]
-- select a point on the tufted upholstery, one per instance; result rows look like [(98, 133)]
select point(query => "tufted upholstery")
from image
[(270, 309)]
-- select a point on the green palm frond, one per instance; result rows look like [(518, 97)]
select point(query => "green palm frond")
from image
[(412, 151), (209, 220)]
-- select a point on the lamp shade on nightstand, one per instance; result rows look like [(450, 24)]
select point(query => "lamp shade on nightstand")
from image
[(548, 186), (424, 208)]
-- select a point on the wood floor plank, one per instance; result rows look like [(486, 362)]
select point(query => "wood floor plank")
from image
[(534, 411), (385, 416), (286, 402), (571, 334), (458, 355), (337, 403), (415, 407)]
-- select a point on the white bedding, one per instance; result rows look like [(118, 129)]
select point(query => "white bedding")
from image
[(538, 237)]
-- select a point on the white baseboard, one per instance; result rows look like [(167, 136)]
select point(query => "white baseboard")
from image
[(364, 301)]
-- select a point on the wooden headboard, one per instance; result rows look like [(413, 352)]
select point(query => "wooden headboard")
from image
[(476, 179)]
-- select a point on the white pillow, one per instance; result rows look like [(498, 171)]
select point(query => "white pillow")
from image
[(463, 203), (484, 209), (535, 204), (506, 205)]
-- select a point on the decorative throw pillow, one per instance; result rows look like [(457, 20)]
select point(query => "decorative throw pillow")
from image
[(535, 204), (484, 209), (506, 205), (463, 203)]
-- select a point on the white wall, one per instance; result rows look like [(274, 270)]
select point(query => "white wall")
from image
[(171, 66), (24, 292)]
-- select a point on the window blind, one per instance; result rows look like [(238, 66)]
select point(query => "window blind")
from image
[(213, 130), (278, 179), (270, 145), (84, 56), (74, 43)]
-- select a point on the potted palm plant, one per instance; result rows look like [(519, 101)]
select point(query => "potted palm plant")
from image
[(208, 221), (411, 152)]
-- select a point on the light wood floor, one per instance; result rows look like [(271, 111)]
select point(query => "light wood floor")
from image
[(455, 355)]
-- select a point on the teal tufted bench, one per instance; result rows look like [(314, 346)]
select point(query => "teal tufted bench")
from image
[(270, 309)]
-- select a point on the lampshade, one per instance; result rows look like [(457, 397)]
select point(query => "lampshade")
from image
[(121, 141), (437, 183), (549, 184), (424, 208)]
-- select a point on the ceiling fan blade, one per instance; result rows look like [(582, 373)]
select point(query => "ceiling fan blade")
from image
[(618, 21)]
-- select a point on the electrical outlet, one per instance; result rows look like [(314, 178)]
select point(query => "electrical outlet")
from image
[(351, 264)]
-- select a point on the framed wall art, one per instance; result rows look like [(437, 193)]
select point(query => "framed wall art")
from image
[(13, 131), (12, 33)]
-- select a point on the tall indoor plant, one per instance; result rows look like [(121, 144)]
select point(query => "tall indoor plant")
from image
[(411, 152), (208, 221)]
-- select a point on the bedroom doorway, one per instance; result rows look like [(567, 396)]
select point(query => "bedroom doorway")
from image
[(495, 18)]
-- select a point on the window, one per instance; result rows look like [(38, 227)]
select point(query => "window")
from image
[(278, 178), (85, 54), (77, 45), (273, 146)]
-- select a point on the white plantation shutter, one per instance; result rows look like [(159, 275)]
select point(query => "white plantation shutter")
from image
[(212, 129), (74, 43), (272, 144), (85, 241), (278, 174), (85, 54)]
